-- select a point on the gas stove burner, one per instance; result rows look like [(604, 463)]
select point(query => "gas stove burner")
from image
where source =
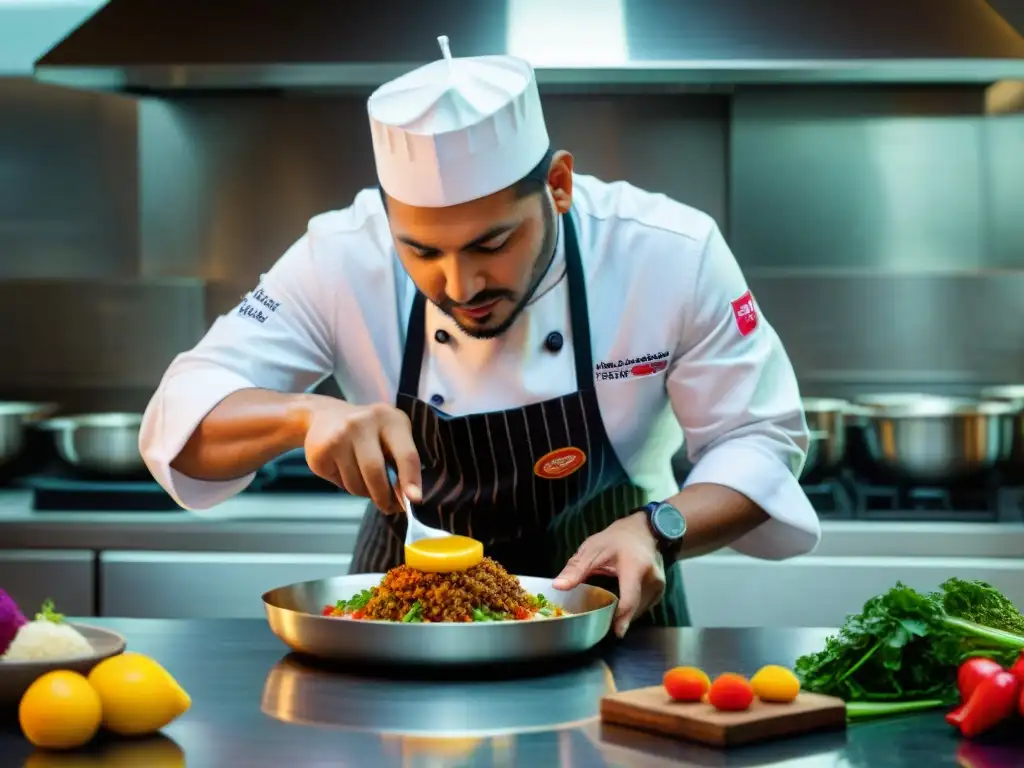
[(919, 499), (849, 497), (830, 499), (61, 494), (927, 503)]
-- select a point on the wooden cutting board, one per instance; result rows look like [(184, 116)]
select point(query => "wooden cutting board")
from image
[(651, 709)]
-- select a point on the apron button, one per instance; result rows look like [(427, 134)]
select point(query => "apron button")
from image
[(436, 399), (441, 336), (554, 341)]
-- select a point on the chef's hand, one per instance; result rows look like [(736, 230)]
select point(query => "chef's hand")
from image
[(347, 444), (625, 549)]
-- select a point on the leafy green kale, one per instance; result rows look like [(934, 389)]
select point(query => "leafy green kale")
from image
[(981, 603), (904, 647)]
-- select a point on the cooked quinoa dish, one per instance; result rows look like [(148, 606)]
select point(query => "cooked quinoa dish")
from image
[(485, 592)]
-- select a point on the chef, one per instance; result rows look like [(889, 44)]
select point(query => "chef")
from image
[(525, 344)]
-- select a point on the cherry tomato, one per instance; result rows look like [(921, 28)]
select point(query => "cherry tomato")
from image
[(731, 693), (686, 683)]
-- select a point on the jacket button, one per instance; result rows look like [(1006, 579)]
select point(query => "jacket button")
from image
[(554, 341), (441, 336), (436, 399)]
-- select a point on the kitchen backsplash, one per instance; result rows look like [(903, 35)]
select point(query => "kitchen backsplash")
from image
[(881, 230)]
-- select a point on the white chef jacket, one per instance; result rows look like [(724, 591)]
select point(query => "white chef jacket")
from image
[(662, 284)]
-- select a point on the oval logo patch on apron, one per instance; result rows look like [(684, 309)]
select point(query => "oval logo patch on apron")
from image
[(559, 463)]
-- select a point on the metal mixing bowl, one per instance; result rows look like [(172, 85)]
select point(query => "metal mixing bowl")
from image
[(105, 443), (14, 417), (932, 439)]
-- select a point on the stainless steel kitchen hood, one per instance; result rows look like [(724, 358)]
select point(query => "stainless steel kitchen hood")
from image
[(182, 45)]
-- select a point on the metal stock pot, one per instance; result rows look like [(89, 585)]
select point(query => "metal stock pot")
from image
[(826, 419), (930, 439), (1011, 393)]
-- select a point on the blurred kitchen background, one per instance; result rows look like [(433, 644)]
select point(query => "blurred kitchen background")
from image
[(867, 166)]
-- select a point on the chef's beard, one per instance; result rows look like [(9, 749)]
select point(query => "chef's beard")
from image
[(541, 264)]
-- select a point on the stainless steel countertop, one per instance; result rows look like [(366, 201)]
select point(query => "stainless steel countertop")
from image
[(254, 705), (311, 523)]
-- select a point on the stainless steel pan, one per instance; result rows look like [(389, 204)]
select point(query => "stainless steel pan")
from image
[(14, 419), (105, 443), (932, 439), (293, 613)]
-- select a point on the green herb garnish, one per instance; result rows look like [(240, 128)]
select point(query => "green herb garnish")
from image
[(544, 606), (414, 614), (357, 602), (902, 652), (486, 614), (48, 613)]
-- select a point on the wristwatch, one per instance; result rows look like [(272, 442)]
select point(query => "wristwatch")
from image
[(668, 526)]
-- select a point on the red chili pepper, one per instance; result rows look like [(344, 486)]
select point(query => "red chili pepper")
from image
[(521, 613), (358, 614), (972, 672), (1017, 670), (955, 717), (328, 610), (993, 701)]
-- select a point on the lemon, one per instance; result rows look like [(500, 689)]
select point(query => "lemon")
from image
[(775, 683), (60, 710), (139, 696), (451, 553)]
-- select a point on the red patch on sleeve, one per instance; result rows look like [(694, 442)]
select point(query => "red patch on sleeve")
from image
[(745, 312)]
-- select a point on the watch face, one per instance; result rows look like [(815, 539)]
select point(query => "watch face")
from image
[(669, 522)]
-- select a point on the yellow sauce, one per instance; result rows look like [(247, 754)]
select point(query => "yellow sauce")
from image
[(452, 553)]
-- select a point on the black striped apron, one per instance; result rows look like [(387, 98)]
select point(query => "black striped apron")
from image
[(531, 483)]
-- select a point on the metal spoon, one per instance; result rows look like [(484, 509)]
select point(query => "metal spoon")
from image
[(415, 530)]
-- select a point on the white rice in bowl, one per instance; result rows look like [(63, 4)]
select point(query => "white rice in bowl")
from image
[(47, 641)]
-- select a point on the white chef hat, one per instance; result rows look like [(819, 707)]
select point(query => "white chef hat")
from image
[(457, 129)]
